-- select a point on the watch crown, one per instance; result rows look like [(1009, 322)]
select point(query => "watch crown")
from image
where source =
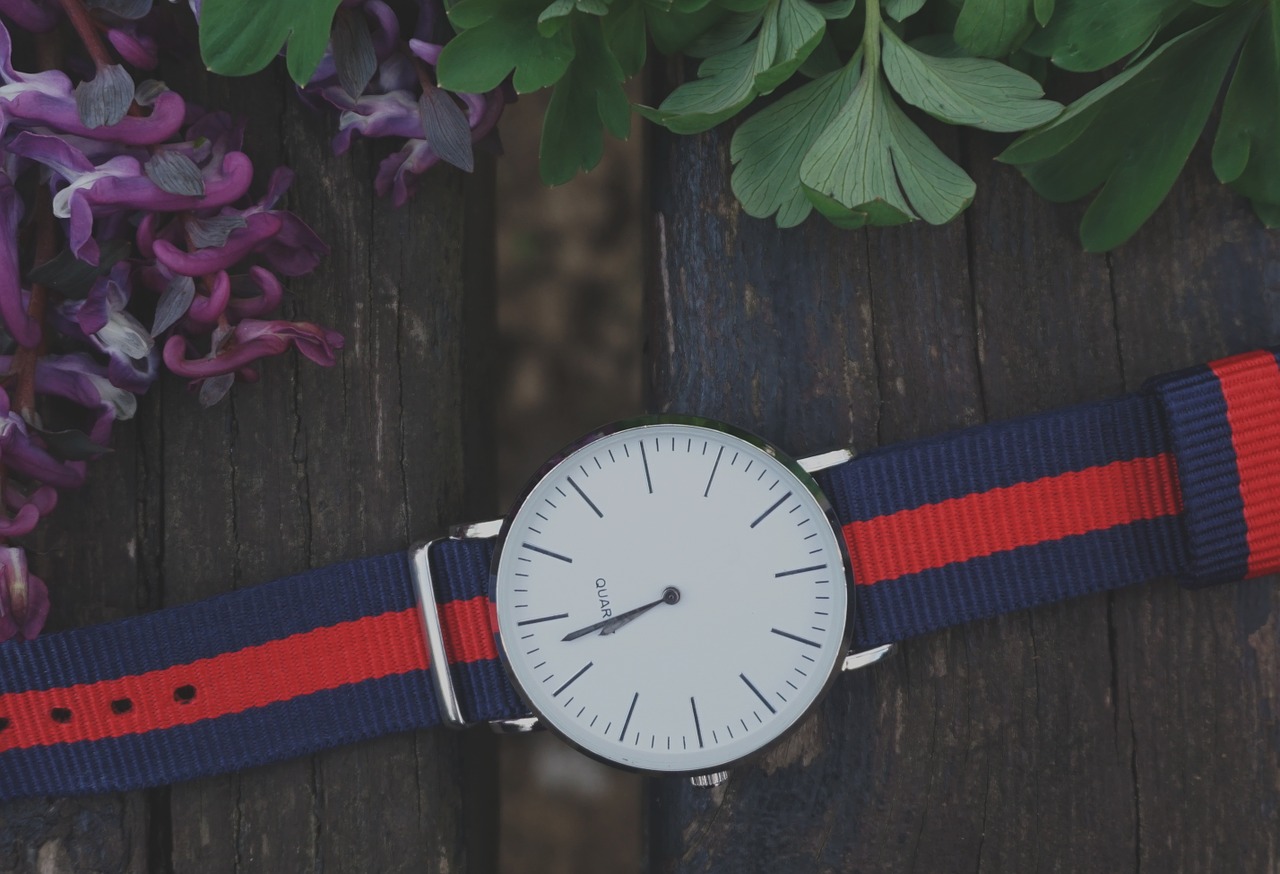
[(706, 781)]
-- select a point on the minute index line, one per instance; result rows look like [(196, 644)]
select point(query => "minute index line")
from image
[(796, 638), (590, 503), (571, 679), (547, 552), (543, 619), (775, 505)]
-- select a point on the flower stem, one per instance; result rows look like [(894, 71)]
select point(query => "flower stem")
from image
[(24, 362), (80, 20)]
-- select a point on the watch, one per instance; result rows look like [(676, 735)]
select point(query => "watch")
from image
[(670, 594)]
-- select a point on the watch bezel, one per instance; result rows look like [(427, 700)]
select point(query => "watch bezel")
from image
[(640, 423)]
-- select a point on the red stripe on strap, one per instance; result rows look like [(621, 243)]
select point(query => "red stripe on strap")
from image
[(256, 676), (1251, 387), (960, 529)]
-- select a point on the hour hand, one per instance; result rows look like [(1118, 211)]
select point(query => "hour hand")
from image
[(670, 595)]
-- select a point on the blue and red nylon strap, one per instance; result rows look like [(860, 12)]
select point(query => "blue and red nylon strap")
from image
[(294, 666), (1181, 479)]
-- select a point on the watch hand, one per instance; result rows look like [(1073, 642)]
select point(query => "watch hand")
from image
[(670, 595)]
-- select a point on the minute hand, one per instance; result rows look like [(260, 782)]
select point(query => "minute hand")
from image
[(608, 626)]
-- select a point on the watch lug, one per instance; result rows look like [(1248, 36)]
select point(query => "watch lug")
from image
[(708, 781), (822, 461), (862, 659), (476, 530), (523, 725)]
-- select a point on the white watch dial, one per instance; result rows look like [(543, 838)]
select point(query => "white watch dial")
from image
[(671, 597)]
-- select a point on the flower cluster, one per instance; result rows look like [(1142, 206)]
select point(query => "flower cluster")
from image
[(127, 238), (384, 86)]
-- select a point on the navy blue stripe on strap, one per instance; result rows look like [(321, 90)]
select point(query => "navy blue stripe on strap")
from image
[(1008, 516), (326, 657)]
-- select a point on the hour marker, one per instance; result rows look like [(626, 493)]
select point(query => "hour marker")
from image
[(696, 725), (714, 468), (796, 638), (647, 479), (775, 505), (623, 734), (590, 503), (752, 687), (539, 549), (543, 619), (571, 679), (800, 570)]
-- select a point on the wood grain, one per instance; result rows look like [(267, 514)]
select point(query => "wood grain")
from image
[(1133, 731), (307, 467)]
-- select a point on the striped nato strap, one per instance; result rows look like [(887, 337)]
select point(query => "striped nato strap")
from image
[(272, 672), (1180, 479)]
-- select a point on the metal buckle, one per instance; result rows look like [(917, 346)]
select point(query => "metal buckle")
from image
[(438, 664)]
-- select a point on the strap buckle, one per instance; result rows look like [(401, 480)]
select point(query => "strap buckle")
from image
[(437, 657)]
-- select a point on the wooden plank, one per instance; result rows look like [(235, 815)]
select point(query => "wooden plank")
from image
[(307, 467), (1135, 730)]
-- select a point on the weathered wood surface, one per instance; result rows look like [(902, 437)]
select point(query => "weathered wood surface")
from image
[(1133, 731), (307, 467)]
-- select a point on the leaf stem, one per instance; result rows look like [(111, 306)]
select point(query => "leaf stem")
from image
[(871, 34)]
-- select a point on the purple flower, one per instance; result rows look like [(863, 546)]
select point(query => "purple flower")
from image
[(79, 378), (120, 183), (29, 14), (26, 454), (47, 99), (245, 305), (24, 599), (103, 321), (137, 48), (253, 339)]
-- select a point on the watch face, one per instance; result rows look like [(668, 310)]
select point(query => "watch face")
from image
[(671, 595)]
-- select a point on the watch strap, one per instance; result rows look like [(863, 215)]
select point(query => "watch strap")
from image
[(1180, 479), (1224, 426), (327, 657)]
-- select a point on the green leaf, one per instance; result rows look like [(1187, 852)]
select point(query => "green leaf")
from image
[(872, 165), (901, 10), (1246, 152), (1085, 35), (972, 91), (499, 36), (994, 28), (674, 28), (1132, 135), (1044, 11), (238, 37), (624, 30), (589, 95), (769, 147), (789, 30)]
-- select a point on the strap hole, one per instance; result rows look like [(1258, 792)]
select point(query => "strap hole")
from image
[(4, 722), (121, 706), (60, 714), (184, 694)]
